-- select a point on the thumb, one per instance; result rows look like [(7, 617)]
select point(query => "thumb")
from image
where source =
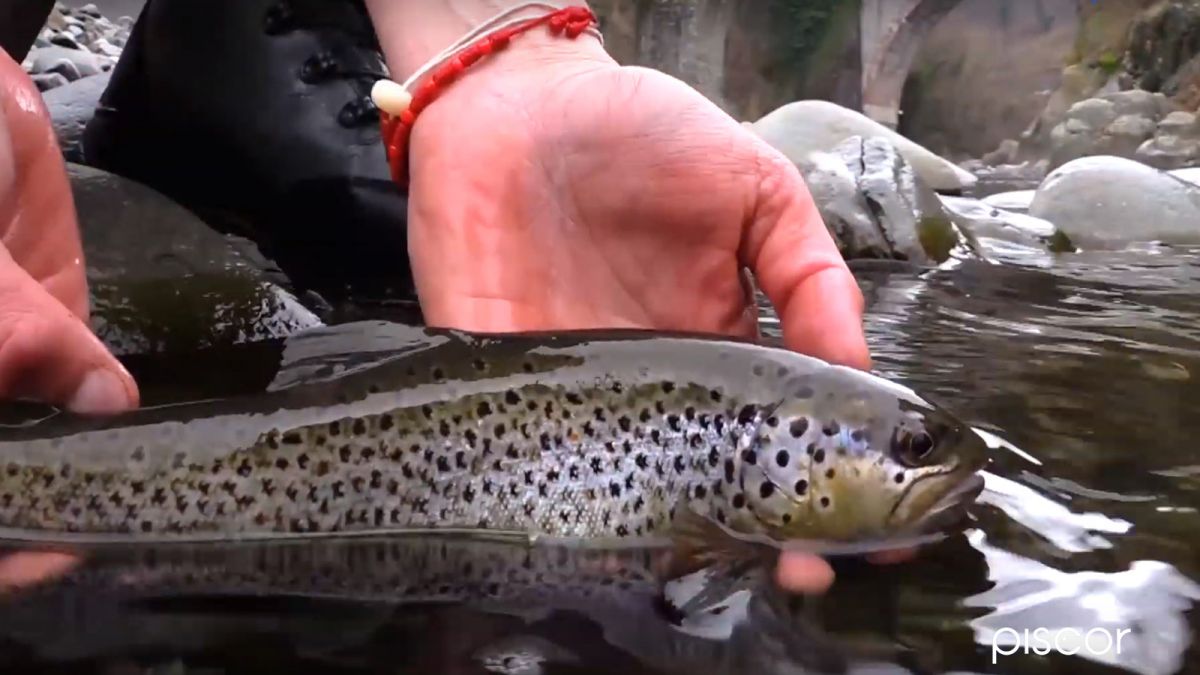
[(49, 354), (799, 268)]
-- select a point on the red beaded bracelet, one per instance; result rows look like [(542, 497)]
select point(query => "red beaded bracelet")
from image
[(398, 111)]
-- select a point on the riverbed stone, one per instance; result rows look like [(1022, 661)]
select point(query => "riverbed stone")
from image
[(163, 281), (1105, 202), (876, 206), (71, 107), (803, 127)]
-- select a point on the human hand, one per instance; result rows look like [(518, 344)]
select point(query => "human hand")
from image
[(559, 190), (47, 351)]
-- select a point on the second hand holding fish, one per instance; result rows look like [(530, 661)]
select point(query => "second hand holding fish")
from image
[(616, 197)]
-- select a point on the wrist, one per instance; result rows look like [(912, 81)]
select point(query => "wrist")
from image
[(411, 32)]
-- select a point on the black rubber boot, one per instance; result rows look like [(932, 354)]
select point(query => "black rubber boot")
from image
[(256, 114)]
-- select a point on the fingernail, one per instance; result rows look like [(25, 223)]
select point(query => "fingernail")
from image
[(101, 392)]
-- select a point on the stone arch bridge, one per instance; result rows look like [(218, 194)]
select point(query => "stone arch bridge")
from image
[(892, 32)]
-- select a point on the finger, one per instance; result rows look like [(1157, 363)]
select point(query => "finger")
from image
[(20, 570), (803, 573), (800, 269), (49, 354), (37, 212)]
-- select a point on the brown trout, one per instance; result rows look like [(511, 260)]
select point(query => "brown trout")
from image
[(586, 436)]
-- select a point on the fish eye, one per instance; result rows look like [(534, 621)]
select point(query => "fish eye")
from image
[(910, 447)]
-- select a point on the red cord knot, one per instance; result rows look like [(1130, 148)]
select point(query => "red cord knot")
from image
[(571, 21)]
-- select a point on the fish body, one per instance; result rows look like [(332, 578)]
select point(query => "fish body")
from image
[(584, 435)]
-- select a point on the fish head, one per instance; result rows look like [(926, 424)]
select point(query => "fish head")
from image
[(855, 460)]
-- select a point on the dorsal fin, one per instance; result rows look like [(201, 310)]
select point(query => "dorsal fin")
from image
[(322, 353)]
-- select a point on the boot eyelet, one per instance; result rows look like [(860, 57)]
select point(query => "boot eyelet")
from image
[(317, 67), (280, 18), (357, 112)]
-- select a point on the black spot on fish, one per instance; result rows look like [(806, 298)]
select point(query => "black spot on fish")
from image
[(831, 429), (444, 429), (460, 459), (766, 489), (622, 531), (772, 421), (549, 408), (829, 473), (386, 422), (719, 424), (638, 504), (627, 446), (801, 487), (798, 427), (758, 370), (480, 365), (701, 492), (629, 482), (573, 472), (739, 500), (367, 453), (721, 516), (525, 430), (376, 479), (782, 458), (499, 430), (614, 489), (487, 486), (660, 408), (443, 464), (750, 457), (857, 435), (552, 475), (359, 427), (468, 494), (483, 409), (588, 430), (531, 405), (438, 374), (529, 477), (673, 422), (714, 457), (427, 411), (511, 451), (138, 487), (729, 471), (596, 464), (645, 416), (574, 398), (641, 462), (344, 453), (819, 456), (511, 397), (804, 391), (292, 438), (335, 428), (656, 437), (680, 465), (825, 502), (544, 440), (714, 396), (900, 477), (244, 469)]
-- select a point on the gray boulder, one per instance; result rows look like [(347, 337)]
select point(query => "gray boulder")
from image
[(1176, 143), (875, 206), (1106, 202), (70, 63), (70, 108), (1117, 123), (161, 280)]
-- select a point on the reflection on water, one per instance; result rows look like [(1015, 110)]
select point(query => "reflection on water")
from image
[(1078, 371)]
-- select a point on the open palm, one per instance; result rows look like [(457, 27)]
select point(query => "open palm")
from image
[(594, 195)]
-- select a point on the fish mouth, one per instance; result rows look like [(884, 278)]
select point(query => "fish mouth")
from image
[(949, 509)]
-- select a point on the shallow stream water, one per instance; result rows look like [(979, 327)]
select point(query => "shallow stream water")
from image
[(1085, 368)]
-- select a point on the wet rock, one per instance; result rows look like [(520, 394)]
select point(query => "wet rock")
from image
[(1016, 201), (70, 108), (88, 43), (1176, 143), (876, 206), (70, 63), (48, 81), (1006, 153), (803, 127), (1110, 202), (161, 280)]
